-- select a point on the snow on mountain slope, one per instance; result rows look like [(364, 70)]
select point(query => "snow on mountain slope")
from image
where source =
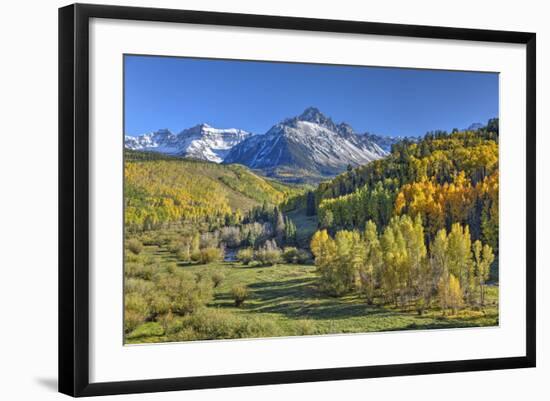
[(475, 127), (386, 142), (311, 142), (309, 147), (201, 142)]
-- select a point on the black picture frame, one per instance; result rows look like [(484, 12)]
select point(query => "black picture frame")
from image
[(74, 198)]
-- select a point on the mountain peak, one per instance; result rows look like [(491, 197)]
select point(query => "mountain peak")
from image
[(201, 141), (475, 127), (345, 129), (199, 129), (311, 143), (202, 126), (313, 115)]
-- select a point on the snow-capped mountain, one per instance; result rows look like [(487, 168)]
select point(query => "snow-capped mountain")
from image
[(201, 142), (386, 142), (310, 143), (475, 127)]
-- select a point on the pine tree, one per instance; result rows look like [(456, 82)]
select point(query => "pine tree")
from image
[(251, 238), (279, 226), (326, 218), (290, 231), (310, 204)]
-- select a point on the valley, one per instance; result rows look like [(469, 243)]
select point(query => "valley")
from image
[(309, 229), (284, 300)]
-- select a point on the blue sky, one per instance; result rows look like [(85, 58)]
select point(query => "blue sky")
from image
[(177, 93)]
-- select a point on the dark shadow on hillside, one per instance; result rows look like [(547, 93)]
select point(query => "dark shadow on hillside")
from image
[(266, 292), (300, 298)]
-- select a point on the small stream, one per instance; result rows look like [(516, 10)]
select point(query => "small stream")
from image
[(230, 255)]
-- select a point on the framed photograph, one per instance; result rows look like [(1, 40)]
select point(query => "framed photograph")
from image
[(250, 199)]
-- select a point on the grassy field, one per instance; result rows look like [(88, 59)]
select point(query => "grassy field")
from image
[(284, 301), (306, 226)]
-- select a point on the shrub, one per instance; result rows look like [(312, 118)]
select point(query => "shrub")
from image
[(148, 239), (290, 254), (135, 246), (166, 321), (175, 247), (304, 257), (196, 256), (136, 311), (210, 240), (132, 320), (304, 327), (217, 278), (181, 293), (175, 326), (245, 255), (255, 327), (231, 236), (171, 268), (159, 303), (133, 258), (153, 240), (269, 254), (254, 233), (184, 246), (138, 286), (209, 255), (138, 270), (268, 258), (240, 294), (211, 324), (184, 255), (217, 324), (420, 306)]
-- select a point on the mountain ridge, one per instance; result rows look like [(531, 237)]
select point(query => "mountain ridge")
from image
[(308, 147), (310, 143), (202, 142)]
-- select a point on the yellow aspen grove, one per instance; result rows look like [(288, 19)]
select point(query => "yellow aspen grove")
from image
[(449, 293), (460, 255), (483, 257), (323, 248), (371, 272), (455, 300)]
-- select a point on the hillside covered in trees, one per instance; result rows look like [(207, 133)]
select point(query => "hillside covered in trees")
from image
[(218, 251), (161, 190), (417, 225)]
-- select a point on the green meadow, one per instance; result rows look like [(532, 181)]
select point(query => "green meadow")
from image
[(285, 300)]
